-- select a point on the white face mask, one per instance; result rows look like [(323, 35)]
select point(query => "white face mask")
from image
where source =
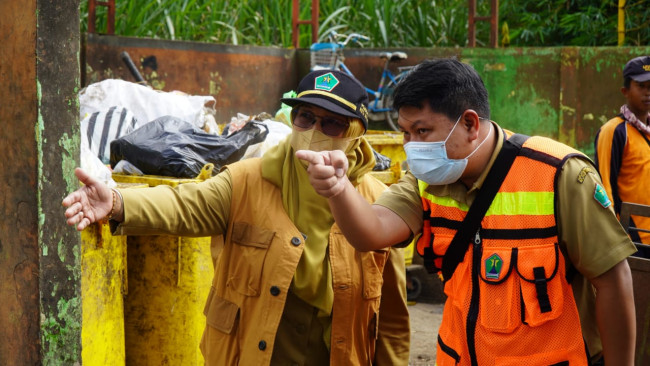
[(429, 163)]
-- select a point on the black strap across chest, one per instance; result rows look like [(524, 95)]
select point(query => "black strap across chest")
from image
[(470, 225)]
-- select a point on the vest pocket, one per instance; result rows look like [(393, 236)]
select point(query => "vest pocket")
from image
[(541, 285), (446, 356), (499, 291), (558, 357), (372, 264), (520, 285), (247, 254)]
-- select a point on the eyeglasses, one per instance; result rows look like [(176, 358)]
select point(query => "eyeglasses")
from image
[(331, 126)]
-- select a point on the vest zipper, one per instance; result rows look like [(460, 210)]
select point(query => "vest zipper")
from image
[(472, 314)]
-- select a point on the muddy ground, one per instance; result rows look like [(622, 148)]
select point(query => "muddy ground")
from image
[(425, 320)]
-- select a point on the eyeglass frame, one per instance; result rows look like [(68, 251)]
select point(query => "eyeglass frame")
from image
[(325, 122)]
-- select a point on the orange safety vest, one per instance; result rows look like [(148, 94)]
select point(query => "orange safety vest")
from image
[(509, 302)]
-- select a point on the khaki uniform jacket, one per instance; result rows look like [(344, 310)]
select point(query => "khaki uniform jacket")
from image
[(254, 266)]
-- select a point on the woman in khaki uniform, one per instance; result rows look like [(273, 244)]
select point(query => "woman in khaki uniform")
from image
[(288, 288)]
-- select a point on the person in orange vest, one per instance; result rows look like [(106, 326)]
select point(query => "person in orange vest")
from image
[(623, 148), (288, 289), (532, 256)]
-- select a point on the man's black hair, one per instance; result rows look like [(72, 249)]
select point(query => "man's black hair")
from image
[(627, 82), (448, 85)]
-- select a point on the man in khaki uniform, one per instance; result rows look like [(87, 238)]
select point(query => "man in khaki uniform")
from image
[(288, 288)]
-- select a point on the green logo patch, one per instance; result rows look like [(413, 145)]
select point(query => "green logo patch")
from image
[(493, 266), (326, 82), (601, 196)]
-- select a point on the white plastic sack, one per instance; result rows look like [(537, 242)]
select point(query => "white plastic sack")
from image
[(147, 104), (93, 166), (102, 127)]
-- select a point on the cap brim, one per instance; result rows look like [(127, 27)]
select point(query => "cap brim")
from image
[(322, 103), (641, 78)]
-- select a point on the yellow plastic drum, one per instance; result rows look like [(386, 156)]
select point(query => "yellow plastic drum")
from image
[(169, 280), (103, 284)]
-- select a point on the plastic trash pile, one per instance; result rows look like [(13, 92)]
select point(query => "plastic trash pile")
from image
[(142, 131), (139, 130)]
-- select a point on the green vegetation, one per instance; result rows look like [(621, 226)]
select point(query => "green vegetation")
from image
[(389, 23)]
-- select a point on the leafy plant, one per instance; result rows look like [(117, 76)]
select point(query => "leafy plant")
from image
[(388, 23)]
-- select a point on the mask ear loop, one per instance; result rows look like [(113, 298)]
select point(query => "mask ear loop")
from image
[(452, 130), (482, 142)]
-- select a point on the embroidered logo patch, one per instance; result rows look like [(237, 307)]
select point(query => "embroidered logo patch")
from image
[(326, 82), (601, 196), (493, 266)]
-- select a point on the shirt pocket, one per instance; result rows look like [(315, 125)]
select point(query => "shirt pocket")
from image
[(250, 245), (220, 313), (520, 285), (372, 267)]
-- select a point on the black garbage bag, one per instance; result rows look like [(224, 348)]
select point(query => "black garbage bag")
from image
[(169, 146), (382, 162)]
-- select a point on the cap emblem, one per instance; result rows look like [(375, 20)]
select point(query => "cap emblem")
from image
[(326, 82), (646, 67)]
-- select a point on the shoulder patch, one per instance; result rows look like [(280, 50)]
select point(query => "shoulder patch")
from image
[(583, 174), (601, 196)]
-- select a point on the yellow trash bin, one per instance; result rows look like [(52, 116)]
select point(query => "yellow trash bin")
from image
[(103, 283), (169, 280), (388, 143)]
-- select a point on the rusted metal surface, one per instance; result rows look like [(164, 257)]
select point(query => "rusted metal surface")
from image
[(40, 302), (57, 144), (493, 18), (19, 304), (92, 11), (565, 93), (296, 21), (244, 79)]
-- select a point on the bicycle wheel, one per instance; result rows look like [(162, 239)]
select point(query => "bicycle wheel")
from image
[(387, 102)]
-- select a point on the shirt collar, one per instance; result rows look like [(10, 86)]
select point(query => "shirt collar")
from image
[(481, 178)]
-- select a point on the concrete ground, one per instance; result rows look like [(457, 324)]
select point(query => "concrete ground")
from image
[(425, 320)]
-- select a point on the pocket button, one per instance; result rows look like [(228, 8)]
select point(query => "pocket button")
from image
[(295, 241), (275, 290)]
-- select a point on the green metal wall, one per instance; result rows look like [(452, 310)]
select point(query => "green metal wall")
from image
[(565, 93)]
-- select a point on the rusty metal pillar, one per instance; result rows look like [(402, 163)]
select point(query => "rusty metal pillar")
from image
[(296, 22), (92, 7), (40, 299), (493, 18)]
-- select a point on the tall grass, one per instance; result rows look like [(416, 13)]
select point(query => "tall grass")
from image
[(388, 23)]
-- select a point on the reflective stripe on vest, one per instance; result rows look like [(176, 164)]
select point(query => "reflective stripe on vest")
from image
[(508, 302)]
